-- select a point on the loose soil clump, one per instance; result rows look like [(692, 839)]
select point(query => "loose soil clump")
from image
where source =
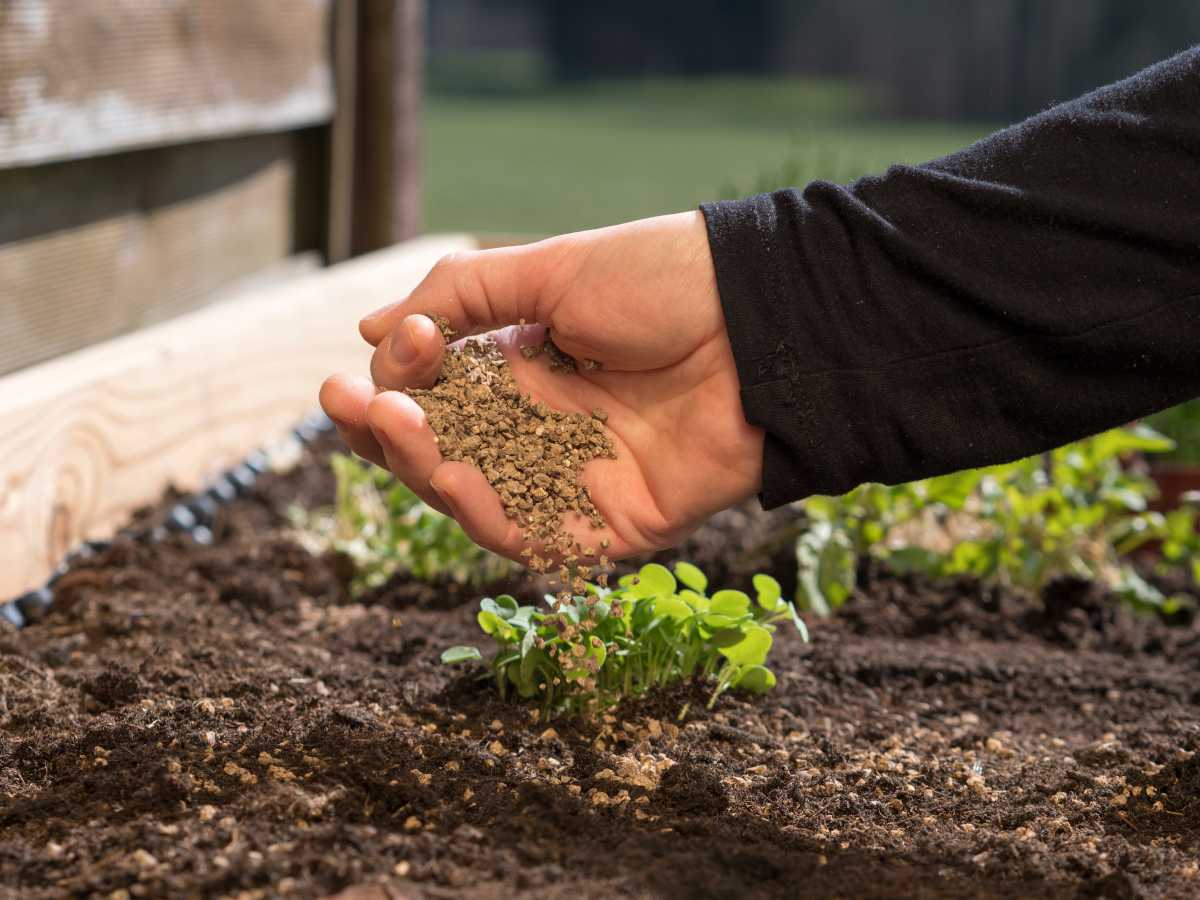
[(172, 728)]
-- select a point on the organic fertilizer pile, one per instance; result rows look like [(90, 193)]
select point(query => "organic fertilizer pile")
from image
[(532, 455)]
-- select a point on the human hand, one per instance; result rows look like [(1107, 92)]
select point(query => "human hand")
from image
[(641, 299)]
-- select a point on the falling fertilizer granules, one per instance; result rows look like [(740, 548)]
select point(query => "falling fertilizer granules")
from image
[(532, 455)]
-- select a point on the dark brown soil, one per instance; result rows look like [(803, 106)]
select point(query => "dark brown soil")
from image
[(223, 721)]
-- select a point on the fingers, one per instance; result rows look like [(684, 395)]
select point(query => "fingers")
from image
[(471, 500), (345, 399), (478, 291), (407, 443), (410, 355)]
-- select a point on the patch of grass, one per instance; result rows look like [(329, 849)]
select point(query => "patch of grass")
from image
[(548, 160)]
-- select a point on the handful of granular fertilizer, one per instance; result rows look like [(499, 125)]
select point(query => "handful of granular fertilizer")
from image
[(531, 454)]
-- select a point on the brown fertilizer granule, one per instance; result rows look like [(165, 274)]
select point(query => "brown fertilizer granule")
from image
[(531, 454), (558, 360)]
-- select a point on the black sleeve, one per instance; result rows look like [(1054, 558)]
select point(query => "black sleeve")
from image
[(1038, 286)]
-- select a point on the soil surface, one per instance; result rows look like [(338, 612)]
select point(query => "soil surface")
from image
[(223, 721)]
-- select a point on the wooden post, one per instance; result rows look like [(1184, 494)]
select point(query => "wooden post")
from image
[(387, 177), (342, 131)]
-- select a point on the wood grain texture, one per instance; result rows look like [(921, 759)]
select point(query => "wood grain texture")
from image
[(84, 77), (87, 438), (387, 170), (90, 249), (340, 232)]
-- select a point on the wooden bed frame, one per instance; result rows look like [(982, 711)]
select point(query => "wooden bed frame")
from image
[(173, 175)]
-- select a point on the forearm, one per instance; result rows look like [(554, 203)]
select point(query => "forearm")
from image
[(1036, 287)]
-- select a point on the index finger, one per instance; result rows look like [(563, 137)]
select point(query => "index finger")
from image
[(475, 291)]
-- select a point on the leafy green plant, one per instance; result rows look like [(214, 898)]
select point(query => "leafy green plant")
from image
[(382, 528), (1178, 543), (657, 627), (1182, 425), (1076, 510)]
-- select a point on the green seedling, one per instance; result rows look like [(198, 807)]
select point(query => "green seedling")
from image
[(1074, 511), (383, 528), (655, 628)]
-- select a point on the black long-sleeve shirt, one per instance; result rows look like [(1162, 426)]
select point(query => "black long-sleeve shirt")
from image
[(1041, 285)]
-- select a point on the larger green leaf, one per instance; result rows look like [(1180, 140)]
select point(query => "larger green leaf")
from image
[(752, 649), (826, 568), (757, 679), (653, 580), (734, 604)]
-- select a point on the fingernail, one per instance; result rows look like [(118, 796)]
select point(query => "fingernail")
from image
[(441, 493), (375, 314), (403, 348), (381, 436)]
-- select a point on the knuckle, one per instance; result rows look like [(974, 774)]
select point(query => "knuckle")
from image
[(456, 259)]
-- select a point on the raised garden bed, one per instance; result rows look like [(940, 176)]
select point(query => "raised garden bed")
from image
[(222, 720)]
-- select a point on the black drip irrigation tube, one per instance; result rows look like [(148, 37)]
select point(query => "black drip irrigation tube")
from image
[(193, 515)]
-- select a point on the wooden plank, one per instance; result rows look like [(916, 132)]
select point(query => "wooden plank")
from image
[(387, 189), (84, 77), (94, 248), (342, 137), (89, 437)]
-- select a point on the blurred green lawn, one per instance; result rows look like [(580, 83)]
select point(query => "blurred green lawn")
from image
[(536, 159)]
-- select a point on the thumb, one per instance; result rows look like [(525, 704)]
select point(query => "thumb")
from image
[(409, 356), (478, 290)]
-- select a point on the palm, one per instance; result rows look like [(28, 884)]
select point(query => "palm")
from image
[(675, 452)]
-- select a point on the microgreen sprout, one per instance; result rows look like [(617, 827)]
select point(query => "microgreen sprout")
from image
[(1075, 511), (381, 528), (587, 651)]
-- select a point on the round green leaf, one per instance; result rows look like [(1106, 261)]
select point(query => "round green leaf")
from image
[(672, 606), (756, 679), (653, 580), (730, 603), (752, 649), (768, 591), (691, 576), (460, 654), (696, 601), (495, 626)]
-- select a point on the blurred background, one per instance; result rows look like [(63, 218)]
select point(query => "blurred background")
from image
[(544, 116), (160, 155)]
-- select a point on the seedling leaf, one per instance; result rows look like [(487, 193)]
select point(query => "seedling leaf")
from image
[(653, 580), (577, 656), (461, 654), (672, 606), (752, 649), (734, 604), (769, 592), (756, 679), (691, 576)]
